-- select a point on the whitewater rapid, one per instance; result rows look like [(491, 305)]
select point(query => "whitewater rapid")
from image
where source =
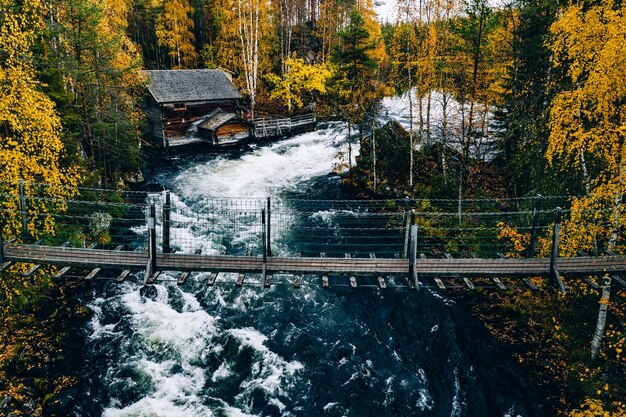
[(220, 351)]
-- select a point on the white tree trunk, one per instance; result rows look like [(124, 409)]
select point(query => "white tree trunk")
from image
[(248, 14), (601, 324)]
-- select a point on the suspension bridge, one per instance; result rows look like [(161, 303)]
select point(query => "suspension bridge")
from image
[(95, 233)]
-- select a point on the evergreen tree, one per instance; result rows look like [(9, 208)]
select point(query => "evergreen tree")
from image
[(523, 115)]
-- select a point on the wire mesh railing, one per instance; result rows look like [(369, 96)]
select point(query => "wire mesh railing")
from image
[(291, 228)]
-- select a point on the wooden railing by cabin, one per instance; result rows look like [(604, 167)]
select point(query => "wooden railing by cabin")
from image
[(267, 127)]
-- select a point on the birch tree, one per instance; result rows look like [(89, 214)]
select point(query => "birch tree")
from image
[(588, 118)]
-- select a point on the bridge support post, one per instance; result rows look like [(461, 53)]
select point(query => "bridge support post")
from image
[(554, 270), (23, 210), (530, 252), (152, 252), (413, 258), (269, 227), (264, 241), (166, 223), (409, 220)]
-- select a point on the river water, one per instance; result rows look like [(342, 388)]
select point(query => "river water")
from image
[(200, 351)]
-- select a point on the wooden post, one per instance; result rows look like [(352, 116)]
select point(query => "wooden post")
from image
[(269, 227), (413, 258), (24, 210), (152, 253), (405, 223), (533, 234), (263, 229), (166, 223), (554, 271)]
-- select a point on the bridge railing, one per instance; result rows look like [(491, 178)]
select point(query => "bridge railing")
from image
[(297, 227)]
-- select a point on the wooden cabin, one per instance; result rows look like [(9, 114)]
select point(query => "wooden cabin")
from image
[(223, 128), (178, 100)]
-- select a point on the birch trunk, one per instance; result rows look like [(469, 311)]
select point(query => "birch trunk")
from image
[(601, 324), (248, 14)]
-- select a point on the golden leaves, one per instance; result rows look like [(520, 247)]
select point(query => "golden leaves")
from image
[(174, 30), (299, 79)]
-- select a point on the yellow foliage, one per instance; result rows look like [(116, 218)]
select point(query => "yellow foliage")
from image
[(175, 31), (31, 148), (587, 133), (300, 78), (592, 408), (516, 241)]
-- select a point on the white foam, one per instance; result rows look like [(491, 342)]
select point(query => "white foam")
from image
[(166, 339), (222, 372), (282, 166), (271, 373)]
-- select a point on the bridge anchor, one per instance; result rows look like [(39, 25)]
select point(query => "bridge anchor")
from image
[(554, 270)]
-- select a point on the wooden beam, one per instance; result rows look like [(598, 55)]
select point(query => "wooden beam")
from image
[(529, 284), (591, 283), (469, 283), (153, 277), (440, 283), (410, 283), (240, 278), (183, 276), (498, 283), (95, 271), (61, 272), (92, 274), (212, 278), (620, 280), (5, 265), (125, 273)]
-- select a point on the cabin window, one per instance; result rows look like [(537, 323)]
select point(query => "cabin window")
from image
[(180, 106)]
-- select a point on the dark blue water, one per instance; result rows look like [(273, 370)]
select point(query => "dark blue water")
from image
[(225, 351)]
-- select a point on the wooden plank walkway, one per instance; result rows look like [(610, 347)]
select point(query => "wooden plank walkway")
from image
[(103, 258)]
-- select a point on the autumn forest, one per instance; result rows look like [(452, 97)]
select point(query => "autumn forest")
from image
[(538, 89)]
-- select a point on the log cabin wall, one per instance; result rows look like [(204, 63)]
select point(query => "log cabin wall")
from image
[(154, 128), (178, 117)]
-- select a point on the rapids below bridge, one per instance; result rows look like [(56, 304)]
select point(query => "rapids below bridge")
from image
[(198, 350)]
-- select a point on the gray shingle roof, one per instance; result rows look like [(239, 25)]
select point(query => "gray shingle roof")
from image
[(172, 86)]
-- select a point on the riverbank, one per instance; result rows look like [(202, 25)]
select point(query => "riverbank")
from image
[(549, 334), (41, 353)]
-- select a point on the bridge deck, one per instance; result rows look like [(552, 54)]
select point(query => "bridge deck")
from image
[(102, 258)]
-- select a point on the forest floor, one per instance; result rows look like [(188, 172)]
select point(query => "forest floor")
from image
[(549, 334), (40, 354)]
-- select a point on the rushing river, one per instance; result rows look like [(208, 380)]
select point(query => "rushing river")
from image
[(199, 351)]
